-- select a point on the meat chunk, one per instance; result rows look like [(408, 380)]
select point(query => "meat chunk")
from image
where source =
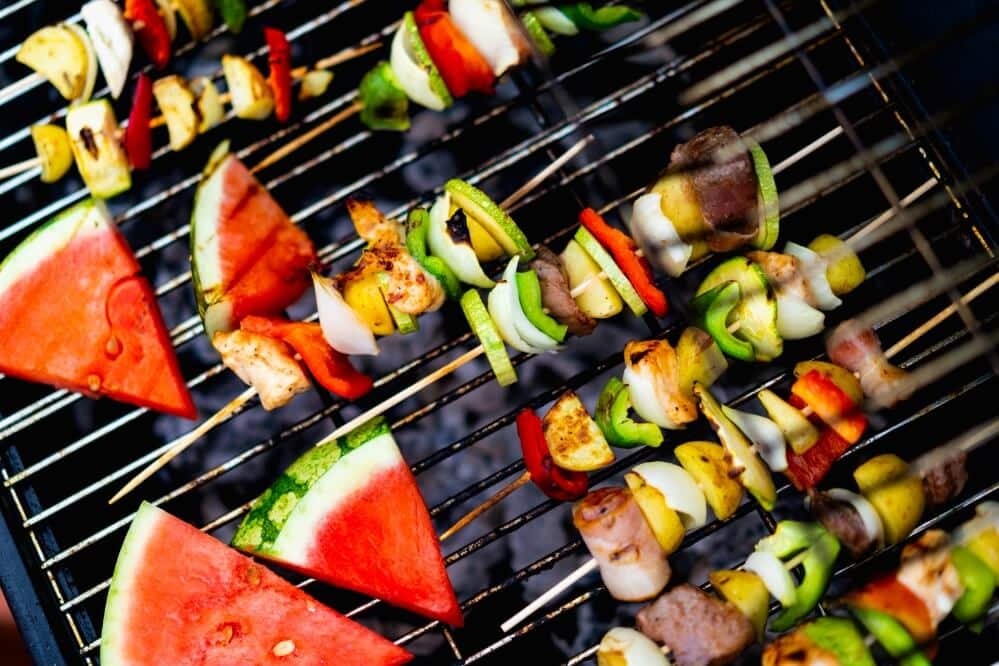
[(797, 649), (698, 628), (652, 369), (726, 189), (632, 564), (556, 295), (858, 349), (784, 273), (944, 477), (843, 521), (371, 225), (266, 364), (928, 572)]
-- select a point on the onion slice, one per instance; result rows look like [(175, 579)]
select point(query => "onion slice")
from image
[(528, 331), (679, 489), (343, 329), (488, 25), (415, 80), (112, 39), (796, 319), (658, 236), (775, 576), (814, 267), (764, 434), (868, 514)]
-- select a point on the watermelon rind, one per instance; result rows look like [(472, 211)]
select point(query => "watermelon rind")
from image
[(206, 274), (123, 583), (88, 216), (264, 532)]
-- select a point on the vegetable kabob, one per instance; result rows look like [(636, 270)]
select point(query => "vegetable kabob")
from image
[(105, 154), (722, 472)]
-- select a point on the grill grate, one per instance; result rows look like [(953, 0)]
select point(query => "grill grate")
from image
[(847, 147)]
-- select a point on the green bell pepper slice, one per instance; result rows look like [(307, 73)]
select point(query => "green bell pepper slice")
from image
[(892, 636), (233, 13), (613, 418), (529, 291), (537, 33), (840, 636), (979, 585), (385, 105), (817, 551), (417, 226), (712, 309), (587, 18)]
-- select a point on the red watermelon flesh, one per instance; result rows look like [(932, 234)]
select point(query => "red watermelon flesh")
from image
[(75, 313), (248, 257), (349, 513), (182, 598)]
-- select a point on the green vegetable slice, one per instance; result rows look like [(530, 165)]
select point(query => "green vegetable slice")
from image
[(554, 20), (892, 636), (385, 105), (757, 309), (766, 195), (820, 552), (422, 56), (587, 18), (417, 227), (614, 419), (529, 290), (537, 33), (233, 13), (840, 636), (979, 585), (483, 327), (491, 217), (610, 268), (406, 323), (713, 308)]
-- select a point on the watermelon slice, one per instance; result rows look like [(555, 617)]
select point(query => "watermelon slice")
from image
[(247, 257), (75, 312), (349, 513), (180, 597)]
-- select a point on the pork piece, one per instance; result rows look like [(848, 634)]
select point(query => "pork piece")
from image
[(726, 191), (632, 564), (556, 295), (266, 364), (843, 521), (797, 649), (783, 272), (698, 628), (928, 572), (858, 350), (944, 477)]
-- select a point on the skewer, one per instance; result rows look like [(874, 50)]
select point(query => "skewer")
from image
[(184, 442), (521, 480), (591, 564)]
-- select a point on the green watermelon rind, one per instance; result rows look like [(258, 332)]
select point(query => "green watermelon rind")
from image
[(90, 216), (204, 214), (269, 515), (114, 634)]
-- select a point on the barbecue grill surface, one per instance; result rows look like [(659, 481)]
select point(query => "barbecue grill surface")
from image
[(62, 457)]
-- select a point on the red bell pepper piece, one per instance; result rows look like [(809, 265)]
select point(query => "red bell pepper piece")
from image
[(328, 366), (139, 133), (806, 470), (831, 404), (892, 597), (557, 483), (461, 66), (280, 78), (625, 253), (151, 30)]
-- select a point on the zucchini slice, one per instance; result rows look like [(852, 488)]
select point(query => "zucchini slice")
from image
[(484, 328)]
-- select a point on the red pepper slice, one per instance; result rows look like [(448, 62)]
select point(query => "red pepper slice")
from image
[(139, 133), (625, 253), (280, 79), (831, 404), (557, 483), (806, 470), (151, 30), (892, 597), (328, 366), (461, 66)]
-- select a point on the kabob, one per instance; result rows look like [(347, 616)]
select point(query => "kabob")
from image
[(439, 53)]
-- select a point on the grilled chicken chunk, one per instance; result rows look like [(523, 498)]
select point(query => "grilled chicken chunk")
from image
[(698, 628), (858, 350), (654, 364), (632, 564), (928, 572), (784, 272), (726, 190), (556, 295), (266, 364)]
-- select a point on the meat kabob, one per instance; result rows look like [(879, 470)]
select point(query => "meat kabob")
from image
[(900, 611), (802, 439)]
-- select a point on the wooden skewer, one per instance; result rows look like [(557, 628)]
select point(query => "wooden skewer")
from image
[(14, 169), (521, 480), (591, 564), (300, 141)]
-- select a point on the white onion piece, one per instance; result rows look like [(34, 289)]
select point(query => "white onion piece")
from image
[(527, 331), (774, 575), (679, 489), (644, 400), (868, 514), (343, 328), (112, 39), (500, 307), (414, 79), (627, 647), (764, 434), (658, 236), (796, 319), (489, 27), (813, 267)]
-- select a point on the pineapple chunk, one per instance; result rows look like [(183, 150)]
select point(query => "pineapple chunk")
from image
[(176, 101)]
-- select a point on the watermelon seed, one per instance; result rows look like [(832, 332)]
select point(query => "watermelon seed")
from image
[(226, 635), (113, 347), (94, 383), (253, 576), (284, 648)]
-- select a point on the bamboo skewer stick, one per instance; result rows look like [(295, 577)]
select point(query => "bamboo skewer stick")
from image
[(591, 564), (300, 141), (465, 520), (14, 169)]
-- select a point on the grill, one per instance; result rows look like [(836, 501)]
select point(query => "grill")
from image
[(826, 87)]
